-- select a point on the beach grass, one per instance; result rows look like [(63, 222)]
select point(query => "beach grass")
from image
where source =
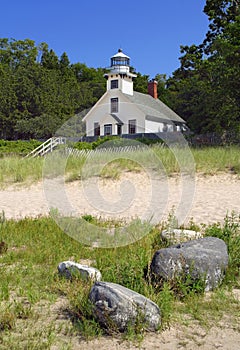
[(18, 170), (212, 160), (39, 309), (162, 160)]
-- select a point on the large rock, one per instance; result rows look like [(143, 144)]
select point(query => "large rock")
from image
[(118, 307), (205, 258), (69, 269)]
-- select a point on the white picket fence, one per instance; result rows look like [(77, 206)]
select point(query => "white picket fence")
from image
[(102, 150), (49, 145)]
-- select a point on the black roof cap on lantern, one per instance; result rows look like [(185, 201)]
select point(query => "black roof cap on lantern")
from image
[(120, 59)]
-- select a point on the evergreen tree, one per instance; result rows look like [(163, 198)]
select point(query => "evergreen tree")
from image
[(205, 89)]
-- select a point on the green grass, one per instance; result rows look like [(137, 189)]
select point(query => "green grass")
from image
[(16, 170), (30, 286), (21, 148), (209, 160)]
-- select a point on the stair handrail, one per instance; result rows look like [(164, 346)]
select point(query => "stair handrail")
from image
[(47, 146)]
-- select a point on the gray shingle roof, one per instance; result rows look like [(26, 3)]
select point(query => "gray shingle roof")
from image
[(118, 120), (154, 109)]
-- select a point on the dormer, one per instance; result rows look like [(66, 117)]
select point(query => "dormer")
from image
[(119, 76)]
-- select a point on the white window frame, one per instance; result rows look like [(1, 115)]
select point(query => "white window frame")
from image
[(132, 126), (106, 128), (114, 105), (114, 84)]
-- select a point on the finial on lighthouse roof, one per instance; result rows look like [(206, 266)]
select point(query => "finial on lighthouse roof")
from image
[(121, 55)]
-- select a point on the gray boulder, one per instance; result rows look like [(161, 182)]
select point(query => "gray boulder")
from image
[(203, 259), (117, 307), (69, 269)]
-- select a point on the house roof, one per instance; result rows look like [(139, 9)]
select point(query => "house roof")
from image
[(118, 120), (154, 109)]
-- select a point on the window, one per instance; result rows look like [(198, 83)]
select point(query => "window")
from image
[(96, 129), (108, 129), (165, 127), (114, 84), (114, 105), (132, 126)]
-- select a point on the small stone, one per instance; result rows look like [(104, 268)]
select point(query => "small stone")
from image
[(69, 269), (180, 235)]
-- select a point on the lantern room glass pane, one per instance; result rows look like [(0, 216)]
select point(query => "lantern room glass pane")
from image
[(120, 61)]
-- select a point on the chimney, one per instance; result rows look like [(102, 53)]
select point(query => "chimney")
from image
[(152, 88)]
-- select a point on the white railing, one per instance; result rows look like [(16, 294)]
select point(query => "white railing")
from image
[(47, 147)]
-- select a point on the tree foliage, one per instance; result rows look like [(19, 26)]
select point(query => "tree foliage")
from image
[(205, 90), (40, 91)]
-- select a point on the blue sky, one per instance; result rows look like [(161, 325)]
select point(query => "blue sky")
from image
[(90, 32)]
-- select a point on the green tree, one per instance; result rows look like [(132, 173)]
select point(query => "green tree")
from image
[(220, 13), (17, 52), (64, 61), (162, 90), (140, 83), (49, 59), (8, 102), (205, 89)]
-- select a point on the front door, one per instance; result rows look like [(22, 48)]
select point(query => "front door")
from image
[(119, 129)]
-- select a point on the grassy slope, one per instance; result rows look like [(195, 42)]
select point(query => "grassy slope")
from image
[(206, 160), (30, 286)]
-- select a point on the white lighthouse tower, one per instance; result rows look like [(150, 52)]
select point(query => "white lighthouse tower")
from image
[(120, 76)]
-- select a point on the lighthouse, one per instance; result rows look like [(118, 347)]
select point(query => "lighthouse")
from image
[(123, 112), (119, 76)]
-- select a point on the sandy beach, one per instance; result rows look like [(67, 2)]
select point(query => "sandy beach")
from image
[(204, 199)]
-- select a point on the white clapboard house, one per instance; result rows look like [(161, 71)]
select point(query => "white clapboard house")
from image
[(122, 111)]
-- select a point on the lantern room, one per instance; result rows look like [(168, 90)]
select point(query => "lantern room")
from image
[(120, 63), (119, 76)]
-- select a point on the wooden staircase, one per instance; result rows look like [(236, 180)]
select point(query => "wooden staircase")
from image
[(46, 147)]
